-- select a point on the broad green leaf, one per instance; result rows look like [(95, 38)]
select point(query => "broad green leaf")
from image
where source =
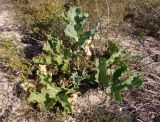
[(59, 59), (38, 60), (48, 60), (132, 82), (52, 90), (112, 48), (57, 44), (43, 100), (74, 16), (111, 60), (85, 36), (81, 19), (76, 78), (71, 32), (47, 98), (53, 46), (116, 84), (137, 81), (117, 95), (44, 79), (101, 76), (62, 97), (70, 15), (48, 46), (43, 59), (76, 19), (37, 98), (66, 66), (34, 96), (67, 53), (49, 103), (117, 74)]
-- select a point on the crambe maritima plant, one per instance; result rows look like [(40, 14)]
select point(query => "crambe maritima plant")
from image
[(62, 72)]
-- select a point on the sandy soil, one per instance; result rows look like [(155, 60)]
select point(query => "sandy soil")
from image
[(143, 105)]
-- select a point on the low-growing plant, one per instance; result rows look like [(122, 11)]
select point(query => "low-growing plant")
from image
[(65, 67), (38, 18), (12, 59)]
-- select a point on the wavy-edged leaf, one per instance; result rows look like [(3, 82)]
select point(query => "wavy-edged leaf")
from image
[(76, 19), (133, 82), (43, 59), (44, 79), (76, 78), (67, 53), (112, 48), (66, 66), (101, 76), (62, 97), (84, 37), (70, 15), (38, 60), (47, 98), (59, 59), (71, 32), (43, 99), (53, 46)]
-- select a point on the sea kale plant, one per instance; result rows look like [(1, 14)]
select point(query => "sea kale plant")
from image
[(64, 67)]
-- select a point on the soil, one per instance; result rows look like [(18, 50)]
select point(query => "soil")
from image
[(142, 105)]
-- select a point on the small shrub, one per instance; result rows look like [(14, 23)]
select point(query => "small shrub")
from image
[(40, 17), (63, 68), (13, 60)]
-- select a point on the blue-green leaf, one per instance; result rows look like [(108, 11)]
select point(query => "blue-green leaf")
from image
[(101, 76), (71, 32)]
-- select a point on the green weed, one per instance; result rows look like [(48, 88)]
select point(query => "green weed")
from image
[(13, 60), (63, 68)]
